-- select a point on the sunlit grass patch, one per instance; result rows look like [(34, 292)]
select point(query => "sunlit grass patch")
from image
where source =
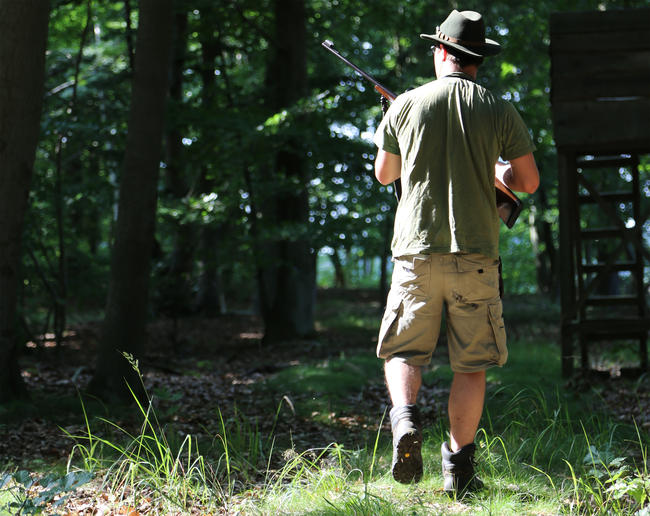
[(331, 376), (535, 457)]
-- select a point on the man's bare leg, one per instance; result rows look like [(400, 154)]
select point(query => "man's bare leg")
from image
[(403, 381), (465, 408)]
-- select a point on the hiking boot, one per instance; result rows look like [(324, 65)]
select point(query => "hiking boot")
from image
[(407, 444), (458, 470)]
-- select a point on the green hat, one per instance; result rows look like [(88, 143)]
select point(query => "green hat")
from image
[(465, 31)]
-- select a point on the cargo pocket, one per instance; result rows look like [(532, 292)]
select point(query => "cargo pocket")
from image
[(481, 278), (498, 328), (411, 273), (389, 325), (475, 262)]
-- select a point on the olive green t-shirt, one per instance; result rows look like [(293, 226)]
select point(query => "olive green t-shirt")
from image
[(450, 134)]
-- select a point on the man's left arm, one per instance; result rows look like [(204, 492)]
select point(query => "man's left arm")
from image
[(520, 175)]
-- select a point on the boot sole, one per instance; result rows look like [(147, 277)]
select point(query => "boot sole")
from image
[(407, 467)]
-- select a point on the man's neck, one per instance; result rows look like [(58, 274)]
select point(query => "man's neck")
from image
[(450, 67)]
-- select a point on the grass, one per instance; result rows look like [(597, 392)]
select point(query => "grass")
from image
[(543, 448)]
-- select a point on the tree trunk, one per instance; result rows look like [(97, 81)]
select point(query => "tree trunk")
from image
[(176, 289), (541, 238), (124, 328), (211, 300), (290, 277), (339, 273), (23, 39), (74, 172), (176, 184)]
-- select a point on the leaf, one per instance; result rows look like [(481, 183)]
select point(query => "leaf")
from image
[(618, 462), (75, 479), (508, 69), (636, 488), (23, 477), (5, 480)]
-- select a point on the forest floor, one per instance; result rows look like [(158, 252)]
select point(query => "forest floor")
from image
[(200, 370)]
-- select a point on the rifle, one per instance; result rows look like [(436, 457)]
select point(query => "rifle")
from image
[(509, 206)]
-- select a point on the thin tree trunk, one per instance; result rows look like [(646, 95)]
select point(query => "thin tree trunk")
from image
[(60, 302), (174, 178), (339, 273), (176, 293), (541, 238), (124, 327), (129, 34), (23, 39), (290, 275), (212, 299)]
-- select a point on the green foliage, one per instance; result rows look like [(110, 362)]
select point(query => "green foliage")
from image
[(219, 179), (148, 464), (22, 492)]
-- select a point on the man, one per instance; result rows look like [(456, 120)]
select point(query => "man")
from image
[(443, 141)]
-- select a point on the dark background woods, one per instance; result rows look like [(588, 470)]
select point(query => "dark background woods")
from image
[(165, 159)]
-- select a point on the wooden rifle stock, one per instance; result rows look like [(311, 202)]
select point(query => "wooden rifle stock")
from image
[(509, 206), (383, 91)]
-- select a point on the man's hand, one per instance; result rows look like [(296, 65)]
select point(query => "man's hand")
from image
[(388, 167), (520, 175)]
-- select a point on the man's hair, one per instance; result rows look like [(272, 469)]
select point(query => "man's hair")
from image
[(462, 59)]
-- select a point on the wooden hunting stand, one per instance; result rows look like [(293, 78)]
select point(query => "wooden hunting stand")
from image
[(600, 77)]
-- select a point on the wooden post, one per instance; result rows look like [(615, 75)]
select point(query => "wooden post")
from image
[(566, 167)]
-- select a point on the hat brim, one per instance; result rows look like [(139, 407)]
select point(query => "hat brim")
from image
[(490, 48)]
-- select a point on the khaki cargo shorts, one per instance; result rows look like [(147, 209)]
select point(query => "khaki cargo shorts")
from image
[(466, 286)]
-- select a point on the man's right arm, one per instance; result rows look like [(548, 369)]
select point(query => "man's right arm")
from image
[(388, 166), (520, 175)]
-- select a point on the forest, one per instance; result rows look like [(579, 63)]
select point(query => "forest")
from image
[(187, 189)]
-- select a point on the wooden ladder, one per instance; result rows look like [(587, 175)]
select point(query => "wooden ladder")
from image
[(607, 308)]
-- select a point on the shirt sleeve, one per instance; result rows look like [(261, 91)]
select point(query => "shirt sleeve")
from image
[(516, 140), (385, 136)]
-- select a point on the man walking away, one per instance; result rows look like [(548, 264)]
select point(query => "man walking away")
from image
[(444, 141)]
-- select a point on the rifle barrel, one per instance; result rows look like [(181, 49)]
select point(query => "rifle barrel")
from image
[(378, 86)]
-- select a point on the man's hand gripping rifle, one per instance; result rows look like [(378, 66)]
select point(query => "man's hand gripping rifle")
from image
[(508, 204)]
